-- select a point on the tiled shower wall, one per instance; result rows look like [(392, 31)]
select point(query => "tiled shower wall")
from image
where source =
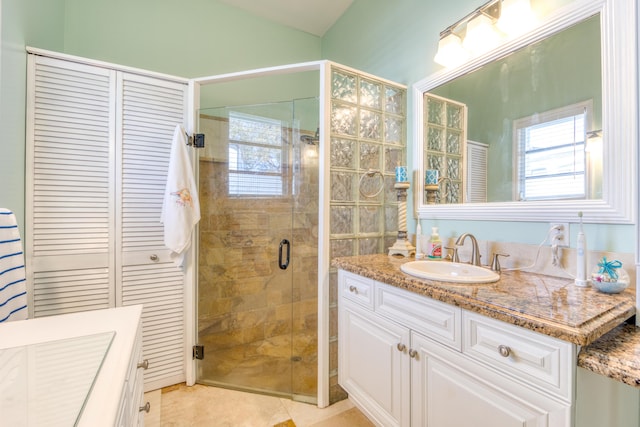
[(368, 140)]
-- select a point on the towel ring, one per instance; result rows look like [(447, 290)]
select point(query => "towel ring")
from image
[(371, 173)]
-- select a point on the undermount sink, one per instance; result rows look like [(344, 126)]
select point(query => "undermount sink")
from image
[(450, 272)]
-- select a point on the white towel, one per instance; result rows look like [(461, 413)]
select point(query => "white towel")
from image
[(181, 207), (13, 285)]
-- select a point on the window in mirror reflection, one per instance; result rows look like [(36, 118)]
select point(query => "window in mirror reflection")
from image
[(551, 160)]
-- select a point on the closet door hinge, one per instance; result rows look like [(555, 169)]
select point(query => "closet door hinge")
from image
[(196, 140), (198, 352)]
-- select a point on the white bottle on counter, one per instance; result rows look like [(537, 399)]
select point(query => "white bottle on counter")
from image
[(419, 253), (581, 257), (434, 250)]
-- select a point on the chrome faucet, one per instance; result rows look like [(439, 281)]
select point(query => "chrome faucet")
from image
[(475, 252)]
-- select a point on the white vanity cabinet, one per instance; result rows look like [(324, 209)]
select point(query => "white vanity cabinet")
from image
[(81, 369), (374, 366), (450, 389), (132, 407), (408, 360)]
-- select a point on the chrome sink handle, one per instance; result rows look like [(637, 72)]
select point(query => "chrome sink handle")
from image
[(454, 257), (495, 264)]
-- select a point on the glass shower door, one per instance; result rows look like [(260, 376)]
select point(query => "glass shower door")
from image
[(252, 177)]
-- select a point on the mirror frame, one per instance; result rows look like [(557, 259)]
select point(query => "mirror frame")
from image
[(619, 123)]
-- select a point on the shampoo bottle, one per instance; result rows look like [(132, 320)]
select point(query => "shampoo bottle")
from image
[(435, 245), (419, 253)]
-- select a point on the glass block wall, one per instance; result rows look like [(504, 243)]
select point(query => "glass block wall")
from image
[(368, 140), (445, 143)]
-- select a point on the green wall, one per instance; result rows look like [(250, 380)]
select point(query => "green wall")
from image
[(195, 38), (23, 23), (192, 38), (397, 40)]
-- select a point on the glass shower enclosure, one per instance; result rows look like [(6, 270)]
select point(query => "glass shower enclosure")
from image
[(283, 190), (258, 248)]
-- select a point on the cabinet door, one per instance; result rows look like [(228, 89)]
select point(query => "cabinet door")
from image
[(69, 194), (149, 110), (450, 390), (374, 364)]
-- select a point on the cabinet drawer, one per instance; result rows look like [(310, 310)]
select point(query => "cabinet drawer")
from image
[(437, 320), (136, 358), (356, 288), (524, 355)]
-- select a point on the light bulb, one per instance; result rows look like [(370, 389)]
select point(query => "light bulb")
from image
[(516, 17), (450, 51), (481, 35)]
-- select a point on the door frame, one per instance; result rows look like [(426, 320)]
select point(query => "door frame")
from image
[(191, 268), (325, 68)]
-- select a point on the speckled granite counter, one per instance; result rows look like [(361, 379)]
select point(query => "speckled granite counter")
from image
[(550, 305), (615, 355)]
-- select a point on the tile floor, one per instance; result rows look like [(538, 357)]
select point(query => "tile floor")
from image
[(182, 406)]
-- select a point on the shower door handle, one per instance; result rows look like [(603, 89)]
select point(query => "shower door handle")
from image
[(285, 264)]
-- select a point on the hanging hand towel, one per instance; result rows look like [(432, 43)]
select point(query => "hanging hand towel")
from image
[(181, 207), (13, 287)]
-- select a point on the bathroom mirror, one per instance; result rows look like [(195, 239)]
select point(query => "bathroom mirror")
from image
[(570, 67)]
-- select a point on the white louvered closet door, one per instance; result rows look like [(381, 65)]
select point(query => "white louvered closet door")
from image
[(98, 144), (477, 158), (69, 236), (151, 108)]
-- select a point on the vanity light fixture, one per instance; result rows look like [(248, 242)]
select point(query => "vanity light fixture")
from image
[(450, 51), (482, 30), (482, 35), (594, 134), (516, 17), (594, 141)]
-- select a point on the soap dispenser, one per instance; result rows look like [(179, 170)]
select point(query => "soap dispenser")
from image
[(435, 245)]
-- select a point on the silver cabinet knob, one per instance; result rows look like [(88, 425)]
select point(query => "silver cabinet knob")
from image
[(413, 354), (144, 364), (146, 408), (401, 347), (154, 258), (504, 350), (353, 289)]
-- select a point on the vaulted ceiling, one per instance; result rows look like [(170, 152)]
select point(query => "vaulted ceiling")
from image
[(311, 16)]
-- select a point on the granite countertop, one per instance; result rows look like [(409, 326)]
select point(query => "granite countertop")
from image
[(615, 355), (549, 305)]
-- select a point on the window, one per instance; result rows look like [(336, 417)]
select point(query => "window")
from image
[(257, 156), (551, 160)]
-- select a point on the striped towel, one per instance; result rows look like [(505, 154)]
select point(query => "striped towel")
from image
[(13, 286)]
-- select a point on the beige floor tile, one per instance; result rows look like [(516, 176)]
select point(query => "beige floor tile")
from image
[(205, 406), (216, 407), (305, 415), (152, 418), (350, 418)]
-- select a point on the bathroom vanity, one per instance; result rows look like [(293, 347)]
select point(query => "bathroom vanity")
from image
[(80, 369), (416, 352)]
